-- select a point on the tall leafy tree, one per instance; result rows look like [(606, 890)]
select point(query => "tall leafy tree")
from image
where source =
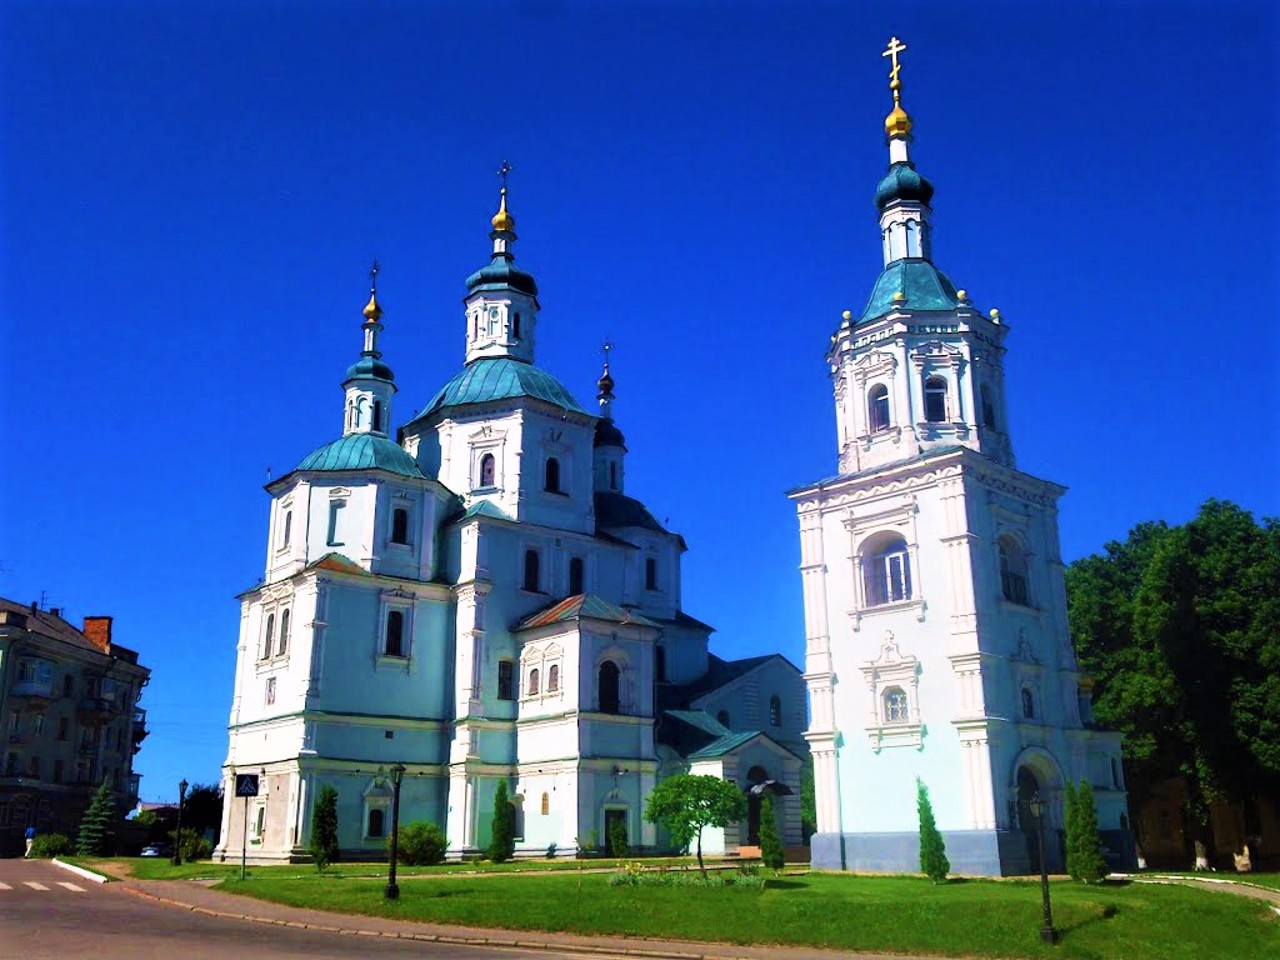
[(502, 838), (1180, 627), (687, 802), (933, 851), (324, 828), (97, 827)]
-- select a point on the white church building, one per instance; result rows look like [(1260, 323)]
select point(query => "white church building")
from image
[(935, 613), (480, 600)]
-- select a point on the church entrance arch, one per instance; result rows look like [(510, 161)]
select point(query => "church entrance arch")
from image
[(755, 777), (1036, 773)]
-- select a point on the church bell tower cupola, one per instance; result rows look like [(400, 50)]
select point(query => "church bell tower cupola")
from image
[(610, 447), (502, 300), (903, 196), (370, 384)]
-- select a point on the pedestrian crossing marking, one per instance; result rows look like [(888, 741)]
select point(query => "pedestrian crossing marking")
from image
[(4, 886), (33, 885), (70, 886)]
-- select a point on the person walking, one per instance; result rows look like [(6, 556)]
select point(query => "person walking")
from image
[(31, 838)]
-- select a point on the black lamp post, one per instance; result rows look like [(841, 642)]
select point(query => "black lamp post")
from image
[(177, 836), (1047, 933), (397, 774)]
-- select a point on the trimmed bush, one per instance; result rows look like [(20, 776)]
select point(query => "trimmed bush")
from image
[(1084, 846), (49, 845), (635, 875), (620, 847), (324, 828), (771, 852), (422, 844), (502, 843), (933, 852)]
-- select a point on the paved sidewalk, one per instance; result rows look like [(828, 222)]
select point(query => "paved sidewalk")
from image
[(200, 897)]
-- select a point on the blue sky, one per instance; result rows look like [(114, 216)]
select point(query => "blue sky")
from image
[(192, 194)]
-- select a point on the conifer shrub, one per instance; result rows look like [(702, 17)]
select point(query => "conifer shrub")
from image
[(97, 834), (1084, 845), (49, 845), (502, 840), (324, 828), (1072, 825), (933, 852), (422, 844), (771, 852), (618, 843)]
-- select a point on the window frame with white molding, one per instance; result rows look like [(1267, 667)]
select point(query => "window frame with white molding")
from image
[(893, 670)]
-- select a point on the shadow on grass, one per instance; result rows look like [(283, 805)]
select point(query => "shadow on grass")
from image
[(1108, 912), (785, 885)]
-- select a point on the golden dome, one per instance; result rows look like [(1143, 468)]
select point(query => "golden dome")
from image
[(372, 312), (897, 123), (503, 220)]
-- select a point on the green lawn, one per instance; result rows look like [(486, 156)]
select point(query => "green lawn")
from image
[(1271, 880), (890, 914)]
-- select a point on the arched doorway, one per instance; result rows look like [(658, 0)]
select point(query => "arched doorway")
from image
[(756, 776), (1028, 786)]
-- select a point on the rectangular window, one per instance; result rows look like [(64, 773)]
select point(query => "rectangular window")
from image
[(395, 645), (34, 767), (57, 770), (506, 676), (335, 508), (271, 691), (39, 725), (400, 525), (650, 574), (286, 530), (63, 728), (68, 685)]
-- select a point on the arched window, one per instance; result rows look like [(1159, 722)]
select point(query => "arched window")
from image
[(722, 718), (660, 663), (896, 708), (269, 638), (535, 682), (288, 528), (575, 576), (1013, 571), (886, 572), (650, 573), (395, 634), (531, 578), (988, 407), (878, 408), (610, 699), (546, 804), (376, 822), (505, 677), (515, 327), (377, 414), (1028, 704), (935, 400), (284, 634), (775, 712), (613, 475), (487, 465), (399, 525), (553, 678), (552, 484)]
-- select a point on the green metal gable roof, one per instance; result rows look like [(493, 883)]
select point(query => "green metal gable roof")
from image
[(500, 273), (701, 720), (500, 378), (718, 748), (924, 286), (362, 451), (584, 606)]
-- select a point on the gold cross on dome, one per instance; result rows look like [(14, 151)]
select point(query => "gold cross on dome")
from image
[(373, 275), (503, 170), (895, 47)]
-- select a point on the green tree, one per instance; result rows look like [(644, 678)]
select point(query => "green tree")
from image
[(1072, 829), (808, 800), (502, 839), (1091, 866), (1180, 628), (770, 843), (421, 844), (933, 851), (97, 833), (685, 803), (324, 828), (202, 810)]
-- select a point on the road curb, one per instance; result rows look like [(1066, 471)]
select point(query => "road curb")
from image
[(80, 871), (550, 946)]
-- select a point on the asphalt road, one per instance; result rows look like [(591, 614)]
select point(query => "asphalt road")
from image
[(47, 913)]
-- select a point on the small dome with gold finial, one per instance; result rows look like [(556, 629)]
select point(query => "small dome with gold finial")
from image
[(897, 123), (503, 221), (372, 311)]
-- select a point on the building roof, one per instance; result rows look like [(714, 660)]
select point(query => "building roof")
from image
[(619, 510), (608, 434), (500, 378), (337, 563), (939, 451), (363, 451), (485, 508), (47, 624), (682, 619), (584, 606), (924, 286), (725, 744), (700, 719), (903, 183), (500, 272), (369, 368)]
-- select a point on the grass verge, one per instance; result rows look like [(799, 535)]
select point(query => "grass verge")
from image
[(890, 914)]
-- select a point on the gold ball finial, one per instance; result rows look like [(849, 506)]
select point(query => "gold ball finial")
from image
[(962, 295), (503, 220), (995, 314), (897, 123), (899, 297), (372, 312), (847, 315)]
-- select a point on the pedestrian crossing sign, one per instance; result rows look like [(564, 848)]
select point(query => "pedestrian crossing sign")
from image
[(246, 784)]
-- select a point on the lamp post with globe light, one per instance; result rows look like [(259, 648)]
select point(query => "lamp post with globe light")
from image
[(397, 775), (177, 835), (1047, 933)]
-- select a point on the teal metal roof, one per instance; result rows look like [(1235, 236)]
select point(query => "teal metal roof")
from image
[(718, 748), (701, 720), (369, 368), (903, 183), (500, 378), (362, 451), (485, 508), (499, 274), (924, 285), (584, 606)]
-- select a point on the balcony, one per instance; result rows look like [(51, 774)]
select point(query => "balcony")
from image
[(96, 709), (39, 689)]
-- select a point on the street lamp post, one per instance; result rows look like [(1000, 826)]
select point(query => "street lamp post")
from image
[(177, 836), (397, 775), (1047, 933)]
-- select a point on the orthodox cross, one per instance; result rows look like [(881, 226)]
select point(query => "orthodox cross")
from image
[(895, 47), (373, 276), (503, 170), (607, 346)]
